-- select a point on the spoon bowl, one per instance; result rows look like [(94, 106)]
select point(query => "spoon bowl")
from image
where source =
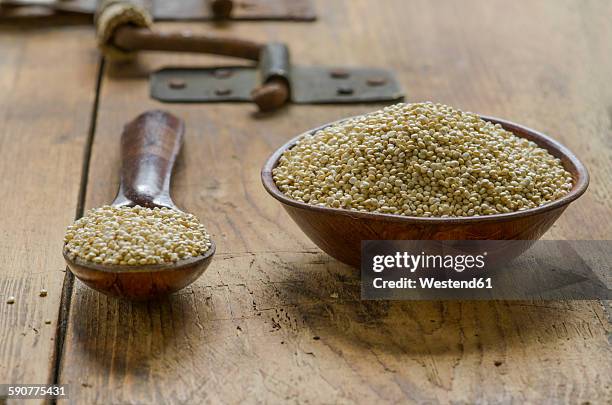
[(339, 232), (140, 283), (149, 147)]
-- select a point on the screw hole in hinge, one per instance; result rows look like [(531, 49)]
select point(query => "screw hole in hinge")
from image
[(376, 81), (339, 74), (223, 92), (345, 91), (177, 84)]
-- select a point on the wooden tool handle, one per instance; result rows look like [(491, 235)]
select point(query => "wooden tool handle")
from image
[(269, 96), (149, 147), (221, 9), (143, 39)]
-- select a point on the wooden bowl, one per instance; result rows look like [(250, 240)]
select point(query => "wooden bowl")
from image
[(339, 232)]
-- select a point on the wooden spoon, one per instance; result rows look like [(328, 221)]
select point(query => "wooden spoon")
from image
[(149, 147)]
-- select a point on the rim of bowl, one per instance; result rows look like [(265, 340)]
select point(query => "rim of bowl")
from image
[(569, 161), (146, 268)]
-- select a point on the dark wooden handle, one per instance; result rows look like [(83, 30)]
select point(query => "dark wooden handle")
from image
[(144, 39), (221, 9), (149, 147), (269, 96)]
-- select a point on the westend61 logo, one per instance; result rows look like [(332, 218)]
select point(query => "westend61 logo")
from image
[(485, 269), (412, 263)]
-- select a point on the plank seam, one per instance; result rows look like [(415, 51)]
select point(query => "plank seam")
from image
[(67, 287)]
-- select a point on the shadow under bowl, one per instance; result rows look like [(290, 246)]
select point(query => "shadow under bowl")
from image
[(339, 232), (140, 283)]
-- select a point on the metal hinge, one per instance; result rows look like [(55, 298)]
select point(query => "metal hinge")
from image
[(307, 84)]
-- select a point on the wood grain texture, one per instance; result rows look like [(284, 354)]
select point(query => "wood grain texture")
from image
[(46, 102), (274, 319)]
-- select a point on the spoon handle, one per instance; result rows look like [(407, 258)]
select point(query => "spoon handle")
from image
[(149, 147)]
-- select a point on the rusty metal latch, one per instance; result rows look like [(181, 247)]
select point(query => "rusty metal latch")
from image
[(307, 84)]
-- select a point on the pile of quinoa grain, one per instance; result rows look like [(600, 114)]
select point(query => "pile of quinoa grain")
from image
[(136, 236), (422, 159)]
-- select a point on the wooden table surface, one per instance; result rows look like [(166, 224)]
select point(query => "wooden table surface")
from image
[(274, 319)]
